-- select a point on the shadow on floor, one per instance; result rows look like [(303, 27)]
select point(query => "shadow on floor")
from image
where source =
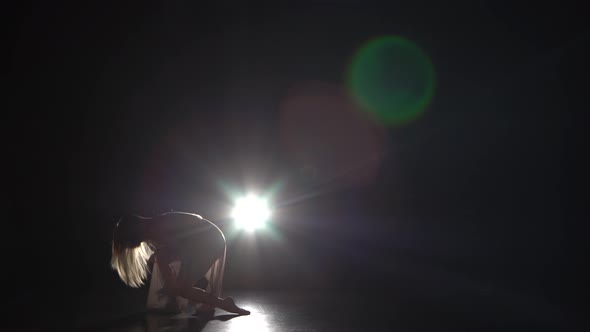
[(153, 322)]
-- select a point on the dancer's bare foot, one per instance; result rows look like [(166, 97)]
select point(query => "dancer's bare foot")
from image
[(229, 305)]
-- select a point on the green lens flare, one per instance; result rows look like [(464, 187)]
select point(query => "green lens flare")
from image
[(391, 78)]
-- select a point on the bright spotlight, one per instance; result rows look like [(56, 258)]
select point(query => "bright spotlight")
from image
[(250, 213)]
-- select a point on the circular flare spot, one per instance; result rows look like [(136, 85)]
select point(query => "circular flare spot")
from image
[(392, 79)]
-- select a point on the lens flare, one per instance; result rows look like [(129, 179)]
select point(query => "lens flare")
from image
[(250, 212), (392, 79)]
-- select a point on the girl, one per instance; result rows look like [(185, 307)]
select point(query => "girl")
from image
[(187, 238)]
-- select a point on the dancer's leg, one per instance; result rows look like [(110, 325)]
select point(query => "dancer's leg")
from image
[(210, 247)]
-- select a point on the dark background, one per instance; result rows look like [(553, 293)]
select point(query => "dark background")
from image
[(116, 109)]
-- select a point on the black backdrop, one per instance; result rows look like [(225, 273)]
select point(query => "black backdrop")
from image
[(114, 109)]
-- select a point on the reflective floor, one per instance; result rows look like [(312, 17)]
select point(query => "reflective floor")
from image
[(335, 311)]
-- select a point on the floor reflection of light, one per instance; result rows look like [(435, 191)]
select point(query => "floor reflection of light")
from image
[(256, 321)]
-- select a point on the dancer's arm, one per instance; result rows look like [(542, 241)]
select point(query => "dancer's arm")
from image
[(193, 293), (169, 277)]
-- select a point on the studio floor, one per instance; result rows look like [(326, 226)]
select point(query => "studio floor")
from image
[(273, 311)]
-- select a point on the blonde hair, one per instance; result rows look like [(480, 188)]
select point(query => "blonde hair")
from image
[(130, 255)]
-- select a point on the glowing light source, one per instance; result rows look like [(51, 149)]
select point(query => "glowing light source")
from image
[(250, 213)]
